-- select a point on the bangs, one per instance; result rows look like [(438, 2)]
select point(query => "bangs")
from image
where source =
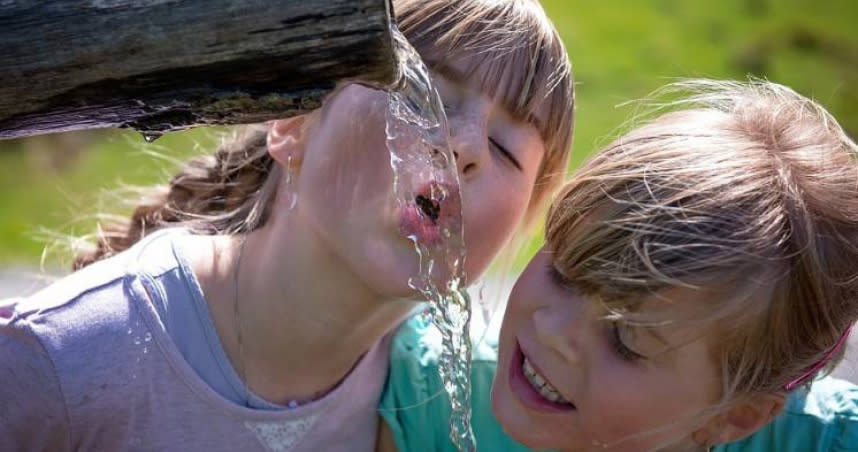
[(666, 206), (630, 257), (512, 53)]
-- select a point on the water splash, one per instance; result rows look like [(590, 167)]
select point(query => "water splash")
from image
[(426, 181)]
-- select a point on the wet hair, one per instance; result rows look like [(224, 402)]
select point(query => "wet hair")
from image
[(518, 58), (748, 189)]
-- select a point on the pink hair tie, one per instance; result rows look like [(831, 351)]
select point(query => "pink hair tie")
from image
[(802, 379)]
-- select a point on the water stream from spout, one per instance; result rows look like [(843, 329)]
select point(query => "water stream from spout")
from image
[(426, 182)]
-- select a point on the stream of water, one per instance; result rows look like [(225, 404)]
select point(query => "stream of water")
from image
[(426, 176)]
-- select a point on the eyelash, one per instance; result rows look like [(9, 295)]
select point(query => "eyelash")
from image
[(620, 348), (508, 155), (504, 151)]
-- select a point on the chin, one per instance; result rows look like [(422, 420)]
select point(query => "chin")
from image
[(515, 423), (393, 285), (507, 415)]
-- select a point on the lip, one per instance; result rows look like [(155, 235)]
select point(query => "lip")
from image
[(418, 225), (520, 386)]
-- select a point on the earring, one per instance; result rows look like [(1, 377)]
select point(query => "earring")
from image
[(291, 194)]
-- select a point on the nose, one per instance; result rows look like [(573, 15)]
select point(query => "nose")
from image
[(469, 140), (560, 331)]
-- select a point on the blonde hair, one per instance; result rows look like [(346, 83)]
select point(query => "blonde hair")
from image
[(518, 58), (748, 186)]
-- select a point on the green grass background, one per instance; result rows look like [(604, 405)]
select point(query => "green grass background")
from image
[(621, 50)]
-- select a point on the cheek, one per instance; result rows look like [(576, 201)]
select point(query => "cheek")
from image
[(346, 162), (636, 412), (492, 214)]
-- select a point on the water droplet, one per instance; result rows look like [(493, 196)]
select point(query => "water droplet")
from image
[(151, 136), (130, 330), (145, 349), (147, 337), (137, 340)]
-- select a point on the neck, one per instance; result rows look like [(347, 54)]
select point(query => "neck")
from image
[(302, 318)]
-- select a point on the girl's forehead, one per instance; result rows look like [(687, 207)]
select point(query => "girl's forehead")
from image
[(495, 78)]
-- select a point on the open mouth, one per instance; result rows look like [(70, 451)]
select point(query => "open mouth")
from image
[(541, 385), (430, 207), (532, 388), (434, 209)]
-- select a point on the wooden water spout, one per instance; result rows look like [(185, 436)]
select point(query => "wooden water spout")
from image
[(161, 65)]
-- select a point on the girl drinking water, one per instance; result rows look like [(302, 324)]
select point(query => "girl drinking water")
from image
[(247, 305), (697, 275)]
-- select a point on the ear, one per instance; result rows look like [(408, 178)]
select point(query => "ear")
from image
[(286, 140), (741, 420)]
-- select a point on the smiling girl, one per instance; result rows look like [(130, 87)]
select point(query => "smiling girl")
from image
[(696, 273), (247, 305)]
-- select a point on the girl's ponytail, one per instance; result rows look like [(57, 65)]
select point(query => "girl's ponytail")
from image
[(227, 192)]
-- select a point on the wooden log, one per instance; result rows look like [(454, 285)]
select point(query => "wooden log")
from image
[(161, 65)]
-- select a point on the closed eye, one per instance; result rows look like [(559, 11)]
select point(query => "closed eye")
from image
[(506, 153), (620, 347)]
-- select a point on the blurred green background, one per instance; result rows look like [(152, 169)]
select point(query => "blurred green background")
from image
[(621, 50)]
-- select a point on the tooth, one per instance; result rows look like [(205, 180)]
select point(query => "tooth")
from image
[(541, 386), (551, 396)]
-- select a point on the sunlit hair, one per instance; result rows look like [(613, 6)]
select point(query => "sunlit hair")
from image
[(745, 188), (517, 57)]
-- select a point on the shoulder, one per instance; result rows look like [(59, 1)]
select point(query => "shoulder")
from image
[(410, 405), (33, 414), (415, 354), (82, 324), (97, 296), (417, 344), (414, 403), (59, 333), (821, 419), (829, 399)]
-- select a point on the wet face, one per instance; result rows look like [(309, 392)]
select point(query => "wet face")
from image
[(345, 183), (571, 380)]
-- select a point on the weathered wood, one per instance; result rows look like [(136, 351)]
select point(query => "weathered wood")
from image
[(160, 65)]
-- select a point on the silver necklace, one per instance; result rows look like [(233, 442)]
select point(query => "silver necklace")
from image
[(236, 315)]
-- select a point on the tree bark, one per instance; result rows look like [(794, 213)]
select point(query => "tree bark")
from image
[(161, 65)]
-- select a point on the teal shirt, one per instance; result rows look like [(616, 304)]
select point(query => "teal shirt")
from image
[(822, 419), (415, 406)]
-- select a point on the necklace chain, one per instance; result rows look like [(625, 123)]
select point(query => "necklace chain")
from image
[(237, 319)]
